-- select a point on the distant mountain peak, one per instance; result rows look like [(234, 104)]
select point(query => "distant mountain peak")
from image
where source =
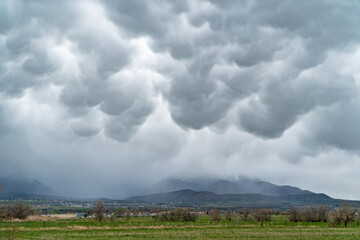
[(189, 196), (238, 185), (23, 185)]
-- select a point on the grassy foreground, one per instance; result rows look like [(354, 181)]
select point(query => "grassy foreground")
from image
[(146, 228)]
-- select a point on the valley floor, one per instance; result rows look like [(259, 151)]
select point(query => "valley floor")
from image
[(146, 228)]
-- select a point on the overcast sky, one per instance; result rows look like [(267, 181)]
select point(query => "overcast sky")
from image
[(99, 97)]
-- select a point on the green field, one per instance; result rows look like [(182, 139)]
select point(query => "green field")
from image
[(145, 228)]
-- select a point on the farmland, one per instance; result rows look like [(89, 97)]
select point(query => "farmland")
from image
[(146, 227)]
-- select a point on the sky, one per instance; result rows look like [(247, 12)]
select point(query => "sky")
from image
[(100, 98)]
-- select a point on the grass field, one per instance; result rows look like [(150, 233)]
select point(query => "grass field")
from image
[(146, 228)]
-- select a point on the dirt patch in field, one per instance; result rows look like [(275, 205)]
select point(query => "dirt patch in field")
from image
[(30, 218), (48, 217), (45, 217), (36, 218), (62, 216), (77, 227)]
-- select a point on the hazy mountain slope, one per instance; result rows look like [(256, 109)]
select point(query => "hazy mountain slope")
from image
[(221, 186), (186, 195), (224, 186), (170, 185), (267, 188), (23, 185), (252, 200)]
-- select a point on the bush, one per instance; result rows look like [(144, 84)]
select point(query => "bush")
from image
[(345, 214), (177, 215), (171, 216), (294, 214), (127, 214), (118, 213), (316, 214), (215, 215), (99, 210), (246, 214), (228, 215), (188, 216), (310, 214), (263, 215), (19, 210)]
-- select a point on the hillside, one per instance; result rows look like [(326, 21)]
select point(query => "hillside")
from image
[(11, 185), (242, 185), (251, 200)]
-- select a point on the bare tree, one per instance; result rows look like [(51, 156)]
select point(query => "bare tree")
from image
[(118, 212), (20, 210), (180, 214), (263, 215), (310, 214), (345, 214), (315, 214), (348, 214), (323, 213), (99, 210), (294, 214), (246, 214), (127, 214), (228, 215), (188, 215), (170, 216), (215, 215)]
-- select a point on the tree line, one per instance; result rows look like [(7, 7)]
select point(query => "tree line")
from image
[(344, 214), (18, 210)]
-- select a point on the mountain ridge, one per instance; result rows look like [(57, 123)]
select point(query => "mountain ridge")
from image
[(241, 185), (248, 200), (11, 185)]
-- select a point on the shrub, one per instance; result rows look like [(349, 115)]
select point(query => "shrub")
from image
[(294, 214), (188, 216), (127, 214), (99, 210), (345, 214), (315, 214), (178, 215), (118, 212), (228, 215), (263, 215), (245, 214), (19, 210), (215, 215)]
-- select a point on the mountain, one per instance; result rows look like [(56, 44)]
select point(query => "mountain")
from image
[(237, 200), (12, 185), (176, 184), (267, 188), (186, 195), (241, 191), (242, 185)]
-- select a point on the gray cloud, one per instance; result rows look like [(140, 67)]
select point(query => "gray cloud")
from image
[(143, 18), (280, 105), (38, 65), (167, 86), (336, 127), (122, 127), (257, 37), (85, 129), (31, 59)]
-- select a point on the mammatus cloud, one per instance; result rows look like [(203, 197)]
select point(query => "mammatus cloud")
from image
[(225, 84)]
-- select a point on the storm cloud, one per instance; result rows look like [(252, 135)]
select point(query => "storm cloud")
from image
[(136, 91)]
